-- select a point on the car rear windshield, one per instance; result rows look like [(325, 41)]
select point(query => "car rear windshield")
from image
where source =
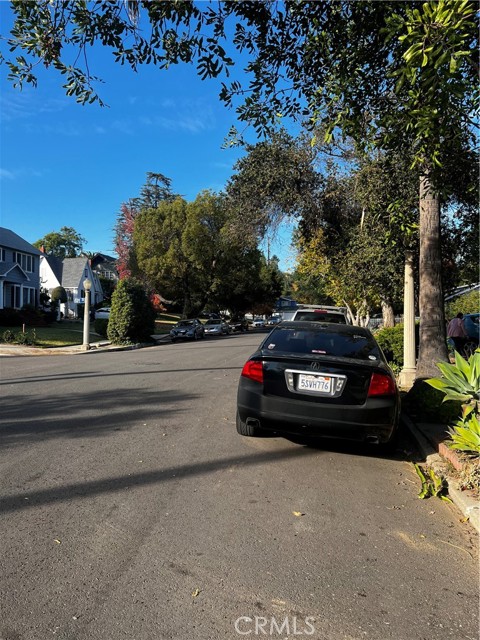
[(320, 316), (356, 345), (185, 323), (213, 322)]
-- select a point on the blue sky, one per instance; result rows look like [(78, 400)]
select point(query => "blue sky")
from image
[(63, 164)]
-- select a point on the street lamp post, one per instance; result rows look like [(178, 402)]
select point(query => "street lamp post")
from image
[(87, 285)]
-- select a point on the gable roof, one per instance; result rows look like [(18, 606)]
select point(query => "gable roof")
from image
[(73, 272), (56, 265), (6, 267), (13, 241)]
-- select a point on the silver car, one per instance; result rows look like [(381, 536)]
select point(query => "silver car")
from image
[(216, 327)]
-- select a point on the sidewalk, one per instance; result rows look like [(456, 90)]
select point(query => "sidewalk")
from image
[(95, 347), (430, 439)]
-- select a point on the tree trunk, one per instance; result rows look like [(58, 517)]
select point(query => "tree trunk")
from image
[(388, 314), (433, 346)]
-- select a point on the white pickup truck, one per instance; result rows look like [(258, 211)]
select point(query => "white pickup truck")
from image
[(319, 313)]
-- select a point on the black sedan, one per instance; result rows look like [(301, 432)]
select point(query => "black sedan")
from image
[(319, 379), (187, 330)]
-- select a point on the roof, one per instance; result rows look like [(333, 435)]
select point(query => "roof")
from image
[(73, 272), (6, 267), (11, 240), (56, 265)]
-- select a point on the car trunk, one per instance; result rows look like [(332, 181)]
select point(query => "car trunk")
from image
[(356, 375)]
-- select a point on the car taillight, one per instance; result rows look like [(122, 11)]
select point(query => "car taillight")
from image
[(381, 384), (253, 369)]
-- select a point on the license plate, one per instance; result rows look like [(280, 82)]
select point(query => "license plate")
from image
[(315, 384)]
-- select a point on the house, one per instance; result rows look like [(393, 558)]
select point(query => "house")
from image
[(19, 271), (105, 267), (70, 273)]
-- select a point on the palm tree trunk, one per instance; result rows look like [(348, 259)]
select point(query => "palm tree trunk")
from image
[(433, 346)]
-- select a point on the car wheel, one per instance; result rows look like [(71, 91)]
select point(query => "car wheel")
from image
[(245, 429), (470, 348), (174, 339)]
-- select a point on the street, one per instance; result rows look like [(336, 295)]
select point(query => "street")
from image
[(131, 508)]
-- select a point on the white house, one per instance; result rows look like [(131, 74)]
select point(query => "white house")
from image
[(70, 274)]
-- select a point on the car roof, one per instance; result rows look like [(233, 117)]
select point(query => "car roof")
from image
[(311, 325)]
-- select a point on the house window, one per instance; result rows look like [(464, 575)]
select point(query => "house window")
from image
[(29, 296), (25, 260), (2, 255), (16, 296)]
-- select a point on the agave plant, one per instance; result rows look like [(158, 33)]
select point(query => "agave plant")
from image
[(461, 382), (465, 435)]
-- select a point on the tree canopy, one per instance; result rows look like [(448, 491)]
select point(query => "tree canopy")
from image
[(398, 75), (66, 243)]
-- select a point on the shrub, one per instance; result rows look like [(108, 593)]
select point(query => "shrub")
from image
[(8, 336), (390, 340), (132, 318), (460, 382), (468, 303), (10, 318), (425, 404), (101, 326), (25, 338)]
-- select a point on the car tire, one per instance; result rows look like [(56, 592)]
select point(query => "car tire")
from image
[(469, 349), (174, 340), (245, 429)]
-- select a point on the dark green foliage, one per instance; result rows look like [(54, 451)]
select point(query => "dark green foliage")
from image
[(390, 340), (10, 318), (425, 404), (101, 327), (66, 243), (468, 303), (59, 295), (132, 318), (8, 336)]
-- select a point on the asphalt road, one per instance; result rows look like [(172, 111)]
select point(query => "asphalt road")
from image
[(130, 508)]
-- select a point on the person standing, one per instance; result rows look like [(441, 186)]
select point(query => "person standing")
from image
[(456, 331)]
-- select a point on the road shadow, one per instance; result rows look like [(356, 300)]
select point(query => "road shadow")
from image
[(76, 491)]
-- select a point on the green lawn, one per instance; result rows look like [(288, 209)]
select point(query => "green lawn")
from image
[(59, 334), (70, 332)]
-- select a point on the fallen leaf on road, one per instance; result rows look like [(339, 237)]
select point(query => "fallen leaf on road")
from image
[(298, 514), (196, 593), (57, 541)]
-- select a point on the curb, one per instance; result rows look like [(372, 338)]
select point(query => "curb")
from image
[(469, 506)]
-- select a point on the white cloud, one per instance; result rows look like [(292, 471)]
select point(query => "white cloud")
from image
[(5, 174)]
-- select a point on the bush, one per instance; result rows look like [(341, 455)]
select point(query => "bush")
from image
[(101, 326), (8, 336), (132, 318), (10, 318), (390, 340), (425, 404), (19, 338), (468, 303)]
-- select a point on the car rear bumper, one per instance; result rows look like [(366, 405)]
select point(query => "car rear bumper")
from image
[(377, 418)]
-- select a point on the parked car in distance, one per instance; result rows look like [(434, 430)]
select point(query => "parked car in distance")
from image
[(257, 323), (319, 379), (102, 314), (191, 329), (321, 314), (238, 324), (216, 327), (273, 320)]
